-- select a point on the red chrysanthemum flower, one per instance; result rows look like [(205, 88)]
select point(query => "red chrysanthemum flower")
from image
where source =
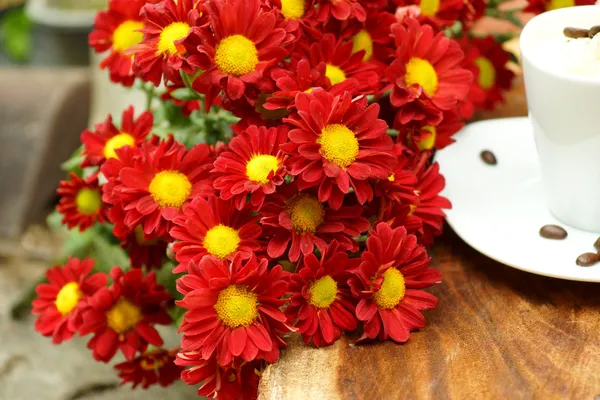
[(488, 63), (81, 202), (429, 205), (214, 227), (539, 6), (391, 272), (341, 63), (338, 143), (233, 309), (293, 9), (340, 10), (238, 381), (253, 166), (372, 36), (442, 14), (118, 29), (122, 316), (245, 40), (296, 222), (425, 76), (161, 181), (144, 251), (420, 137), (101, 144), (58, 300), (171, 34), (150, 368), (320, 302)]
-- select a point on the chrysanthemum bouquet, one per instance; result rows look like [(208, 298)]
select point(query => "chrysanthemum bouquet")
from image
[(281, 179)]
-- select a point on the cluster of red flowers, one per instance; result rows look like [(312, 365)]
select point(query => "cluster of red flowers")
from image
[(314, 218)]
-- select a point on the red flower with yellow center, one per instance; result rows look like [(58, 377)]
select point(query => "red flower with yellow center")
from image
[(400, 185), (252, 165), (151, 368), (123, 315), (488, 61), (372, 36), (320, 302), (539, 6), (233, 309), (238, 381), (171, 35), (81, 202), (341, 63), (101, 144), (162, 180), (118, 29), (425, 77), (245, 40), (58, 300), (443, 13), (420, 137), (214, 227), (340, 9), (296, 222), (338, 143), (293, 9), (387, 284)]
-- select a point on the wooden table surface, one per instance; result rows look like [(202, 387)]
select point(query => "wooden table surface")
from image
[(497, 333)]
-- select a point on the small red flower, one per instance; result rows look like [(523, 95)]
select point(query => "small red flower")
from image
[(233, 309), (338, 143), (320, 302), (340, 10), (373, 36), (238, 381), (420, 137), (253, 166), (387, 283), (487, 60), (244, 41), (81, 202), (400, 185), (425, 76), (539, 6), (58, 300), (340, 62), (101, 144), (118, 29), (293, 9), (122, 316), (162, 179), (296, 222), (214, 227), (170, 35), (442, 14), (150, 368)]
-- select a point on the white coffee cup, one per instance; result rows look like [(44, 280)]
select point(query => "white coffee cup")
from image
[(564, 110)]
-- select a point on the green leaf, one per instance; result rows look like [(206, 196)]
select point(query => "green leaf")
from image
[(73, 164), (54, 221), (108, 255), (15, 35), (184, 94), (78, 244)]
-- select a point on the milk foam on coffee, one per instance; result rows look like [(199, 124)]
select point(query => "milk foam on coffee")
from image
[(574, 56)]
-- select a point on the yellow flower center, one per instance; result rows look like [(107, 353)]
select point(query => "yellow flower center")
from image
[(260, 166), (151, 365), (116, 142), (221, 241), (125, 36), (554, 4), (421, 72), (123, 316), (428, 143), (392, 289), (487, 72), (335, 74), (323, 292), (293, 9), (88, 201), (68, 298), (338, 144), (306, 213), (412, 210), (236, 306), (175, 31), (236, 55), (170, 188), (392, 178), (429, 7), (362, 41)]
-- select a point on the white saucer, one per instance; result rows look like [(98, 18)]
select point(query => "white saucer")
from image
[(499, 209)]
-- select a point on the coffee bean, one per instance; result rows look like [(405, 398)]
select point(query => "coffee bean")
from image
[(594, 30), (553, 232), (587, 259), (576, 33), (488, 157)]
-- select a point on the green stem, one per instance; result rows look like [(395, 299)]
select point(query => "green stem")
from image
[(149, 96)]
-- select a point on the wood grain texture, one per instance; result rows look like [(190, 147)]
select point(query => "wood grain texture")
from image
[(496, 333)]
